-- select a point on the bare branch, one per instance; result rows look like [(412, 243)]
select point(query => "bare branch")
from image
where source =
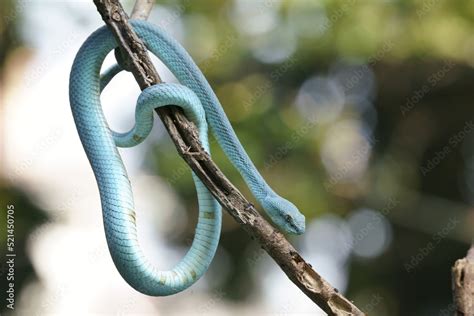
[(142, 9), (463, 284), (185, 137)]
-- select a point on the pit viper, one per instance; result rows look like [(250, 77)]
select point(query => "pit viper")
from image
[(200, 105)]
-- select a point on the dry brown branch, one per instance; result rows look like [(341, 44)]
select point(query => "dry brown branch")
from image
[(463, 284), (185, 137)]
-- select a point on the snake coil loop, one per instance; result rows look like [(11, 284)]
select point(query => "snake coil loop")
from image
[(200, 105)]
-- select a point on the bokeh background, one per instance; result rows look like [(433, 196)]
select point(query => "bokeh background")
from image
[(360, 112)]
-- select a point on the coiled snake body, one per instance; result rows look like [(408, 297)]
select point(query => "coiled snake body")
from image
[(201, 106)]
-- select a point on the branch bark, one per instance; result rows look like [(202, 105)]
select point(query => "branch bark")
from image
[(463, 284), (141, 9), (185, 137)]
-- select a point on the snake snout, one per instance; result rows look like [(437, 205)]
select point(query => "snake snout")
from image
[(285, 215)]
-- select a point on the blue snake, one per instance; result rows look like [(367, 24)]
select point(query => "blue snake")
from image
[(200, 105)]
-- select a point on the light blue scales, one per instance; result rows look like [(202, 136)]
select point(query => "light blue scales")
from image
[(201, 106)]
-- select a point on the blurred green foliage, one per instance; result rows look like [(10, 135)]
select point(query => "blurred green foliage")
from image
[(403, 43)]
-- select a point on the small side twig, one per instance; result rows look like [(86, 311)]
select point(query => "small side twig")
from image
[(185, 137), (142, 9), (463, 284)]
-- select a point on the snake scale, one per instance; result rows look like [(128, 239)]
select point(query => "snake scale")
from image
[(200, 105)]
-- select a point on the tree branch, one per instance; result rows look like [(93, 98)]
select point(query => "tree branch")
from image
[(141, 9), (185, 137), (463, 284)]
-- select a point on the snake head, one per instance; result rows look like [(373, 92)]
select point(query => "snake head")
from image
[(284, 214)]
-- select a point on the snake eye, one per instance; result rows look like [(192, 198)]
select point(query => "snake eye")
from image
[(288, 218)]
